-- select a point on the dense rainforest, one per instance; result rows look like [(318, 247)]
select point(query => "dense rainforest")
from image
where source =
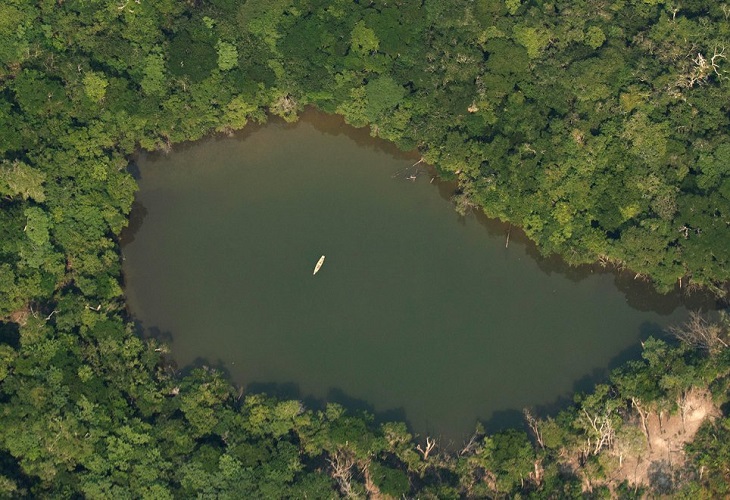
[(598, 126)]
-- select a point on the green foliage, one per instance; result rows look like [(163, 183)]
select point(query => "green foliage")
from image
[(37, 226), (201, 405), (237, 113), (16, 28), (153, 81), (392, 482), (261, 18), (600, 128), (19, 179), (513, 6), (95, 85), (194, 59), (382, 94), (595, 37), (363, 40), (510, 456), (711, 452), (227, 55), (533, 39), (38, 94)]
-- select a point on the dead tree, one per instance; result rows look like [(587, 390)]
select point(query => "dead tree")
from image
[(538, 472), (469, 446), (715, 59), (533, 425), (430, 445), (704, 67), (371, 488), (604, 432), (643, 414), (341, 464), (683, 403), (700, 334)]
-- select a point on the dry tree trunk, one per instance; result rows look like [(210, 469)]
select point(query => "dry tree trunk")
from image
[(371, 488), (430, 445), (533, 425), (643, 416), (341, 464)]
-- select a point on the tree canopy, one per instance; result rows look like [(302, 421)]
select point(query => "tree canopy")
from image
[(598, 126)]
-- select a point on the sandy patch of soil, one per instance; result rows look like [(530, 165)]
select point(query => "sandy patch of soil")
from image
[(20, 316), (659, 465)]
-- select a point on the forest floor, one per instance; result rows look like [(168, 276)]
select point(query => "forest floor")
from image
[(20, 316), (661, 465)]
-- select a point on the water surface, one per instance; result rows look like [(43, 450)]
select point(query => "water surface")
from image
[(416, 311)]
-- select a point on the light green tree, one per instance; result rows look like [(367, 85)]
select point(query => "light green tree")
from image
[(533, 39), (95, 85), (153, 82), (595, 37), (236, 114), (513, 6), (37, 226), (227, 55), (363, 39), (382, 94), (19, 179)]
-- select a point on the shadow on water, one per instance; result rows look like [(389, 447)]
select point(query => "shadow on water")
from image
[(287, 390), (134, 170), (201, 362), (498, 421), (150, 332), (284, 391), (335, 126), (136, 218), (338, 396), (639, 293), (501, 420), (328, 124), (507, 418), (588, 382), (291, 390)]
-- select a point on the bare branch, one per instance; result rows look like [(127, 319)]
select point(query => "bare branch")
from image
[(430, 445), (643, 414), (699, 333), (702, 68), (469, 446), (532, 423), (603, 430), (341, 464), (714, 60)]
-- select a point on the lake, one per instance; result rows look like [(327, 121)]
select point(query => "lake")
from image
[(417, 313)]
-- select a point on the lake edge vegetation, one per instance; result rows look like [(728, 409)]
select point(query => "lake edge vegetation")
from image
[(600, 127)]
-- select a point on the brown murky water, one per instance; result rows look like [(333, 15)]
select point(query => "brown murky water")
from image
[(417, 313)]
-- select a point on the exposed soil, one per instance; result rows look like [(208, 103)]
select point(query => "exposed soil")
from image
[(658, 466), (20, 316)]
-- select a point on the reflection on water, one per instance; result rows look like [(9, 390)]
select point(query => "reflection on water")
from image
[(417, 313)]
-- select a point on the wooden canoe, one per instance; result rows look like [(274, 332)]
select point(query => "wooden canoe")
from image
[(319, 265)]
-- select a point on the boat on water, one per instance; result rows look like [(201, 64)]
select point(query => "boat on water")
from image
[(319, 265)]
